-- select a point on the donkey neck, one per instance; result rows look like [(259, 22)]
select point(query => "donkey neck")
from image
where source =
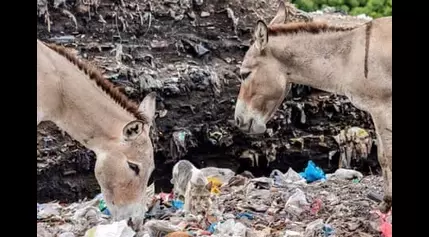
[(87, 113), (326, 61)]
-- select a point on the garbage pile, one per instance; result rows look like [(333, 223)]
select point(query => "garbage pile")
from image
[(305, 204)]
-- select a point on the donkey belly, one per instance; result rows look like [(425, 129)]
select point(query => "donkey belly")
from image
[(360, 103)]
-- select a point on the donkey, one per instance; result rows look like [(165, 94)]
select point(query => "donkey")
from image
[(77, 98), (354, 62)]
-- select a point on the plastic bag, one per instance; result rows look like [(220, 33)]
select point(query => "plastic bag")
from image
[(347, 174), (290, 179), (314, 228), (66, 234), (263, 182), (212, 227), (292, 176), (116, 229), (245, 215), (290, 233), (48, 210), (221, 174), (155, 227), (313, 173), (297, 203), (386, 229), (216, 184), (103, 207), (230, 228), (177, 204), (385, 226)]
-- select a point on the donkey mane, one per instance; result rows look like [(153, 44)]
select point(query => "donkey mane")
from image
[(317, 27), (312, 27), (95, 75)]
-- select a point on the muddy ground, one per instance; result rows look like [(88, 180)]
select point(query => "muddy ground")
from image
[(189, 52)]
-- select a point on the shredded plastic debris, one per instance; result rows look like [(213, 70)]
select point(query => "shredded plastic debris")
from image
[(283, 205)]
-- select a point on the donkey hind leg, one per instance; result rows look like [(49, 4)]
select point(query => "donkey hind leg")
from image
[(384, 137)]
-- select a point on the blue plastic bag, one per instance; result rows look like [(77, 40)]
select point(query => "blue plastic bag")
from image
[(246, 215), (328, 230), (178, 204), (212, 228), (313, 173)]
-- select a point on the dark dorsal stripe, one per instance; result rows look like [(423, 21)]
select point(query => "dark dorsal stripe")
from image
[(367, 41), (313, 27)]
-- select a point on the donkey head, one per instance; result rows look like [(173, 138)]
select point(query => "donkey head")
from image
[(264, 81), (125, 163)]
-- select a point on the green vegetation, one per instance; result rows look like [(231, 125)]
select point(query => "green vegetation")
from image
[(373, 8)]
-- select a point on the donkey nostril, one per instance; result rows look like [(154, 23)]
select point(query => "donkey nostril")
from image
[(130, 223), (251, 123), (237, 121)]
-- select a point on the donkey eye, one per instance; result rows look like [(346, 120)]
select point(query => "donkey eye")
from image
[(134, 167), (245, 75)]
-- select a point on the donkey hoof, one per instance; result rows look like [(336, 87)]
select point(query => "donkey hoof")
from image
[(384, 207)]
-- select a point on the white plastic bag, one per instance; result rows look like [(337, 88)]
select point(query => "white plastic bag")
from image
[(347, 174), (290, 179), (297, 203), (230, 228), (116, 229)]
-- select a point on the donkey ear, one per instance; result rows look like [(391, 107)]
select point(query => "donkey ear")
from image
[(280, 17), (148, 106), (261, 35), (132, 130)]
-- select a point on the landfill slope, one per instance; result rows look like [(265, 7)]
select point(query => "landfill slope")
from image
[(189, 52)]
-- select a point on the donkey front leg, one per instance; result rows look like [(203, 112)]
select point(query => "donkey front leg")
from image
[(384, 137), (188, 201)]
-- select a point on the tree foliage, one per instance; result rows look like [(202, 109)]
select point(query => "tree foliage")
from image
[(373, 8)]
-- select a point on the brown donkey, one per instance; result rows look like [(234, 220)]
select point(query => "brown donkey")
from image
[(80, 101), (355, 62)]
